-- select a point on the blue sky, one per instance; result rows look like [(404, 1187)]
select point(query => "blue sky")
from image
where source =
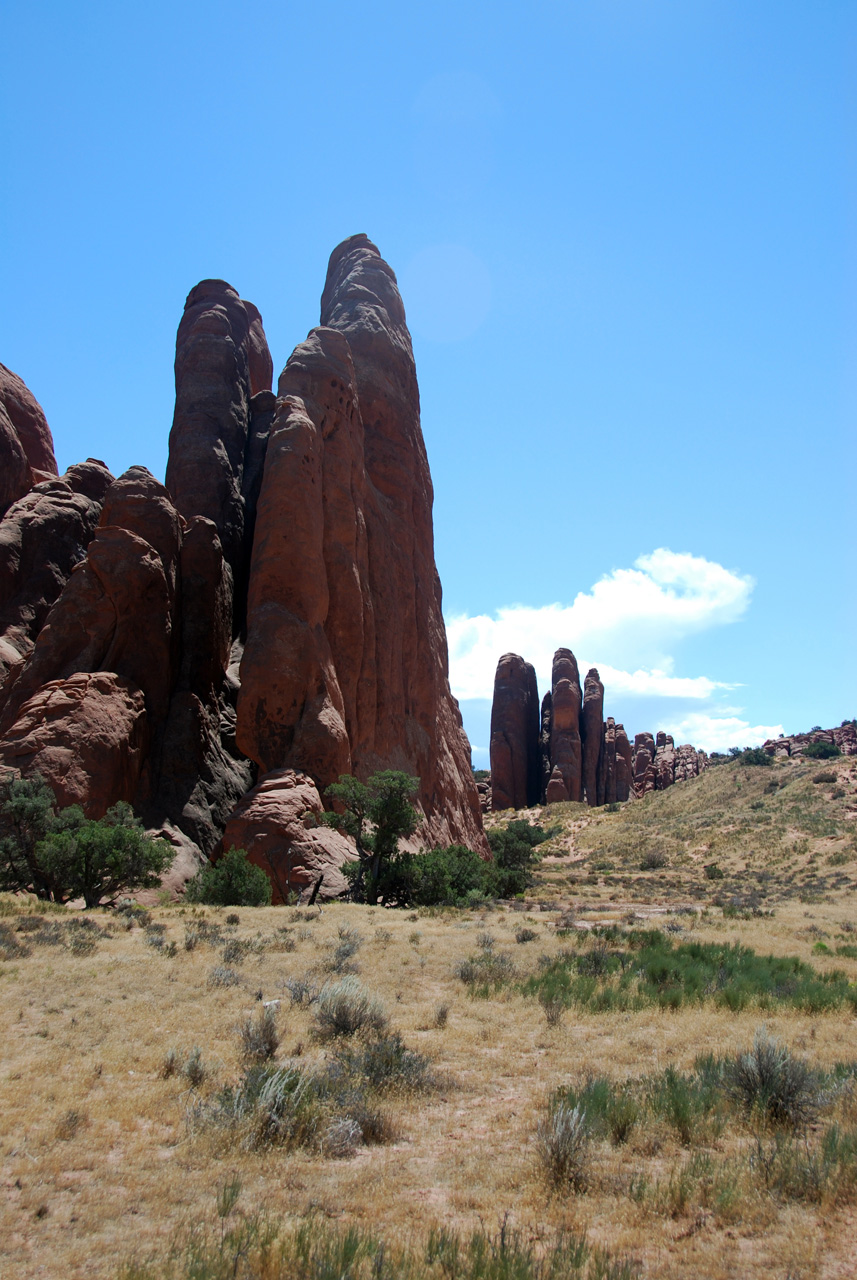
[(625, 236)]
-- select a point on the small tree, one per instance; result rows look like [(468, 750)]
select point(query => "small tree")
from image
[(231, 881), (95, 859), (378, 814), (27, 811)]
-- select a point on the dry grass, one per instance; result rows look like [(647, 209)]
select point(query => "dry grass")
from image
[(98, 1161)]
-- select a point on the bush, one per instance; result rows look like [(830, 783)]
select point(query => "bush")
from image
[(260, 1038), (821, 751), (232, 881), (653, 860), (61, 854), (343, 1008), (562, 1142), (755, 756), (386, 1063), (772, 1084)]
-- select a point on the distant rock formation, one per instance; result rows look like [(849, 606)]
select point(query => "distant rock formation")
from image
[(273, 610), (845, 738), (515, 759), (579, 754), (591, 732)]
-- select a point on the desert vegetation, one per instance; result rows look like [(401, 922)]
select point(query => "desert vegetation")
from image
[(624, 1072)]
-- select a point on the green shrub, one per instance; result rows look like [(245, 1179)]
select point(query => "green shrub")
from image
[(232, 881), (386, 1063), (821, 751), (653, 970), (256, 1245), (755, 756), (61, 854)]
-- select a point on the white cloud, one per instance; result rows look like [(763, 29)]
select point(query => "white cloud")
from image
[(625, 625), (718, 733)]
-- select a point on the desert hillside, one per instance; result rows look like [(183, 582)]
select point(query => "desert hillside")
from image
[(184, 1089)]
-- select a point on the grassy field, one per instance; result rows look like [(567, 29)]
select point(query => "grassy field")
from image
[(141, 1113)]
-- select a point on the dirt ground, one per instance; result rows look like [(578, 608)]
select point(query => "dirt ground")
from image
[(100, 1160)]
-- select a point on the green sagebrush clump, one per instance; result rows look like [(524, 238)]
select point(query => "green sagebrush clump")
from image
[(259, 1246), (232, 881), (59, 854), (651, 969)]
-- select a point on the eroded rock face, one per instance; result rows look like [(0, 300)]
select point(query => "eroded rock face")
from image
[(644, 764), (515, 760), (592, 733), (26, 443), (86, 735), (117, 610), (222, 358), (664, 761), (276, 823), (345, 665), (42, 537), (624, 766), (566, 754), (607, 764)]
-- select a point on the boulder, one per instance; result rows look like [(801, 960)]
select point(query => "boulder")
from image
[(345, 666), (86, 735), (515, 762), (277, 824)]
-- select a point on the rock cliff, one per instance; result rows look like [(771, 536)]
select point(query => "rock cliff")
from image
[(345, 664), (218, 649)]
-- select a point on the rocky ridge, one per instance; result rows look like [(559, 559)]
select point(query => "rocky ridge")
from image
[(845, 738)]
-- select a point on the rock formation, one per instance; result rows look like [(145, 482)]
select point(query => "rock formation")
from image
[(591, 732), (43, 536), (845, 738), (277, 823), (345, 664), (26, 443), (566, 756), (274, 608), (222, 360), (644, 764), (515, 723), (580, 755)]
